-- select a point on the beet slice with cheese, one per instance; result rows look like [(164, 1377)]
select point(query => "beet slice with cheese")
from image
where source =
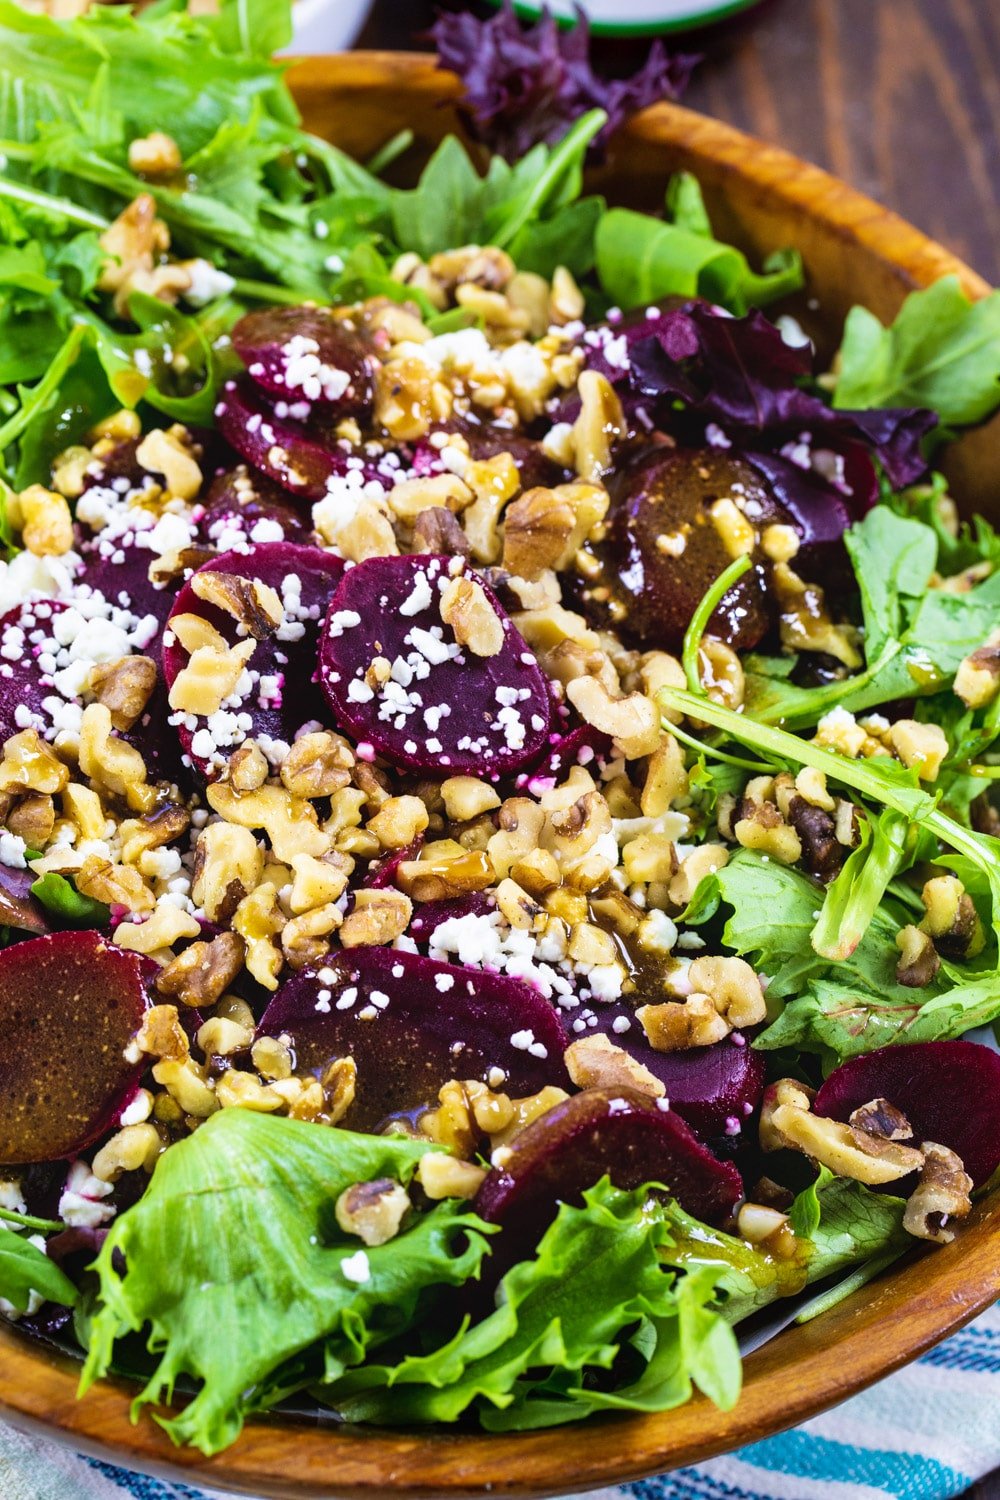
[(288, 452), (614, 1132), (430, 915), (582, 746), (949, 1092), (28, 693), (663, 549), (244, 507), (715, 1089), (411, 1024), (70, 1005), (278, 694), (308, 356), (443, 711)]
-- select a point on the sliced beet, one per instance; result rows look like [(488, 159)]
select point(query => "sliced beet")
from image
[(613, 1132), (444, 710), (308, 355), (429, 915), (949, 1092), (244, 507), (28, 694), (654, 589), (384, 871), (19, 909), (487, 439), (286, 451), (282, 696), (70, 1004), (582, 746), (411, 1024), (715, 1089)]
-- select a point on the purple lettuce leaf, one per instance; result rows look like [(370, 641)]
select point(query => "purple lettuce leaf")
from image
[(527, 84), (741, 375)]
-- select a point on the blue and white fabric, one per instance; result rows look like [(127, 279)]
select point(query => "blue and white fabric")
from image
[(926, 1433)]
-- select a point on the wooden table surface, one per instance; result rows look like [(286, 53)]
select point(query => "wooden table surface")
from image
[(901, 98)]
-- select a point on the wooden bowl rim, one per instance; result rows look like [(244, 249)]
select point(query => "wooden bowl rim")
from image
[(867, 1337)]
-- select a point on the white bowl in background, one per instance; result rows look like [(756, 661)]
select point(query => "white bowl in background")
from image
[(638, 17), (327, 25)]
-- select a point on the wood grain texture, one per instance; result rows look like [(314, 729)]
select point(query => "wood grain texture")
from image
[(900, 98), (854, 252)]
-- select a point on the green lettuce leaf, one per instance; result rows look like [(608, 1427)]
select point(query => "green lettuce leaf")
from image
[(24, 1269), (601, 1294), (59, 896), (942, 351), (234, 1264)]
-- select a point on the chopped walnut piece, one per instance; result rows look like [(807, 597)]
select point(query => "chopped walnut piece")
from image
[(595, 1062), (169, 453), (208, 678), (632, 721), (919, 959), (398, 821), (199, 975), (259, 919), (537, 529), (760, 826), (923, 746), (675, 1025), (787, 1121), (977, 680), (32, 818), (318, 881), (167, 925), (247, 768), (133, 1149), (952, 920), (436, 530), (161, 1034), (377, 917), (317, 765), (941, 1194), (116, 885), (124, 687), (46, 522), (806, 624), (465, 607), (111, 762), (733, 987), (253, 604), (132, 244), (879, 1117), (599, 424), (442, 1176), (228, 865), (439, 876), (410, 497), (306, 938), (339, 1083), (374, 1211), (694, 868), (154, 155), (29, 764), (290, 822)]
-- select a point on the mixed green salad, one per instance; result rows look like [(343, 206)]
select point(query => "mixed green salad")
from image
[(499, 869)]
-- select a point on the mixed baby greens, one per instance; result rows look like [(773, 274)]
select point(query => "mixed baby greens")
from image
[(231, 1276)]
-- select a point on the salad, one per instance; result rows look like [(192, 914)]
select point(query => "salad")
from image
[(499, 878)]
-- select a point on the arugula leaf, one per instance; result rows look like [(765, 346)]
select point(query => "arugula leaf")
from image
[(60, 897), (233, 1263), (853, 897), (915, 636), (24, 1269), (641, 259), (942, 351), (599, 1271)]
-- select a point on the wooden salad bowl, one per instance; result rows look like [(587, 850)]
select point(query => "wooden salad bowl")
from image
[(761, 198)]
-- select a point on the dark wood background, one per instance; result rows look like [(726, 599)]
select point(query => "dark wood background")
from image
[(901, 98)]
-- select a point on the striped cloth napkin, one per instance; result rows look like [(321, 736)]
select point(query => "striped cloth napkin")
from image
[(926, 1433)]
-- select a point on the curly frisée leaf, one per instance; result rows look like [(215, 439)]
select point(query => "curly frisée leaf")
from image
[(234, 1264), (600, 1294)]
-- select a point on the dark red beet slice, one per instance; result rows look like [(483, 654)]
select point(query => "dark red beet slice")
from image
[(70, 1004), (429, 915), (283, 696), (668, 492), (444, 710), (583, 746), (715, 1089), (18, 907), (411, 1023), (285, 450), (28, 694), (306, 354), (613, 1132), (949, 1092), (383, 872), (244, 507)]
